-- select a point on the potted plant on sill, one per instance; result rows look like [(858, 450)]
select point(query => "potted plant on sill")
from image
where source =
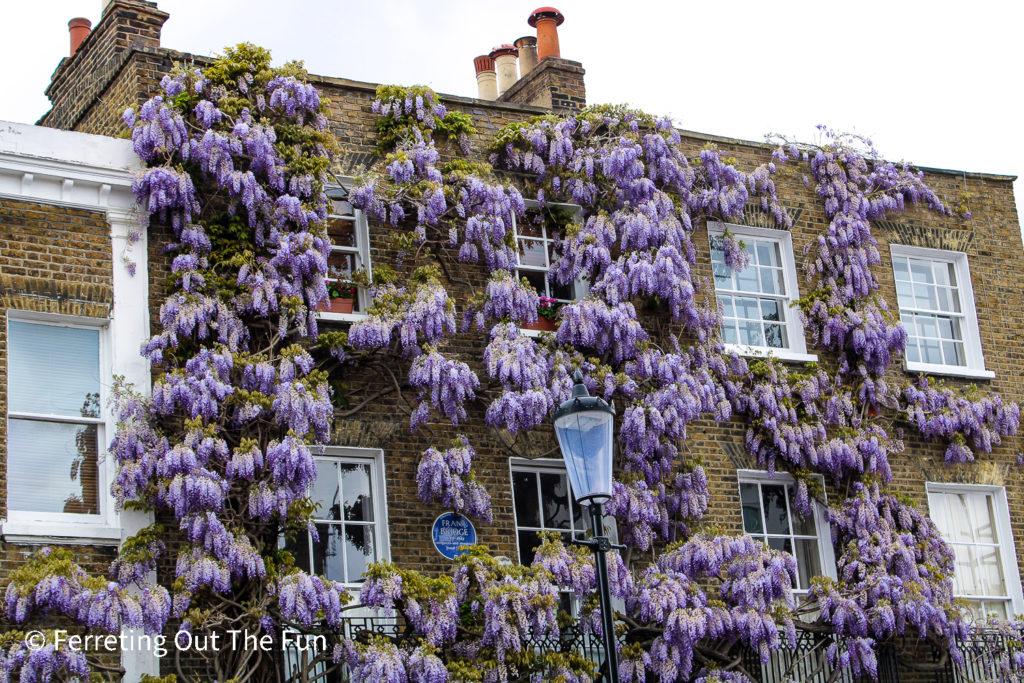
[(547, 315), (341, 297)]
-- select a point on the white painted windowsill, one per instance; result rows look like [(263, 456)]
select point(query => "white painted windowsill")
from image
[(341, 317), (60, 533), (951, 370), (764, 352)]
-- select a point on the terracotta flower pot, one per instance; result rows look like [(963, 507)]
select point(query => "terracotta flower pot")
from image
[(337, 305), (543, 325)]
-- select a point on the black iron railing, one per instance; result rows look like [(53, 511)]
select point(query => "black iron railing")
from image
[(990, 657)]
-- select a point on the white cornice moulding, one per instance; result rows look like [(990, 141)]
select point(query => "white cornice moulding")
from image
[(66, 168)]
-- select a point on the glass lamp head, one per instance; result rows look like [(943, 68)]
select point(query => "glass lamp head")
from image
[(584, 426)]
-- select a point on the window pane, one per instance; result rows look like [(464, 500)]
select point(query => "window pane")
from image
[(808, 562), (728, 310), (984, 518), (945, 273), (770, 310), (953, 353), (537, 279), (747, 308), (767, 253), (921, 271), (803, 525), (355, 484), (913, 354), (524, 490), (52, 467), (958, 505), (729, 335), (360, 549), (775, 514), (530, 225), (299, 548), (783, 544), (925, 297), (38, 384), (341, 265), (326, 491), (966, 572), (774, 336), (750, 333), (927, 325), (342, 231), (327, 559), (930, 351), (995, 610), (771, 281), (899, 267), (528, 542), (949, 300), (555, 499), (751, 509), (531, 253), (904, 293), (723, 275), (563, 292), (992, 582), (747, 280)]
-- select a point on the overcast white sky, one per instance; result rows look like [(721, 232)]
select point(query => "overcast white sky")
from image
[(935, 83)]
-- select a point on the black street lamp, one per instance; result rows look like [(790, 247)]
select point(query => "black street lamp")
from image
[(584, 426)]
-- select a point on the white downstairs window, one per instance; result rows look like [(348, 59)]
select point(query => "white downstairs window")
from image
[(55, 422), (757, 317), (975, 521), (936, 304), (351, 520), (769, 516)]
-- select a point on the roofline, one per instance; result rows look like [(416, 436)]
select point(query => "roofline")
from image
[(928, 169)]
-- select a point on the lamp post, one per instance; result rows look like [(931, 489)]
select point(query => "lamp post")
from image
[(584, 426)]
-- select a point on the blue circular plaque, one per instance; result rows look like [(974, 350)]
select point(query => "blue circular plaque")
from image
[(450, 531)]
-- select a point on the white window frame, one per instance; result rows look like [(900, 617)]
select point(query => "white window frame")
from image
[(580, 287), (975, 366), (340, 209), (1008, 551), (797, 349), (826, 554), (63, 527), (375, 458), (549, 466)]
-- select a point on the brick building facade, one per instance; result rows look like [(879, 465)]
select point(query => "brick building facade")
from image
[(58, 259)]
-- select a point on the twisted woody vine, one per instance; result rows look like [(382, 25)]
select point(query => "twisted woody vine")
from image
[(237, 158)]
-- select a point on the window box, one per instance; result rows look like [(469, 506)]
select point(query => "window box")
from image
[(340, 304), (542, 325)]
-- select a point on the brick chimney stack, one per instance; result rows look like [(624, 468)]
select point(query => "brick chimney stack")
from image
[(78, 28), (546, 79)]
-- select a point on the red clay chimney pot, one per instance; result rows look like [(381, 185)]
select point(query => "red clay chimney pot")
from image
[(546, 20), (483, 63), (78, 28), (544, 12)]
